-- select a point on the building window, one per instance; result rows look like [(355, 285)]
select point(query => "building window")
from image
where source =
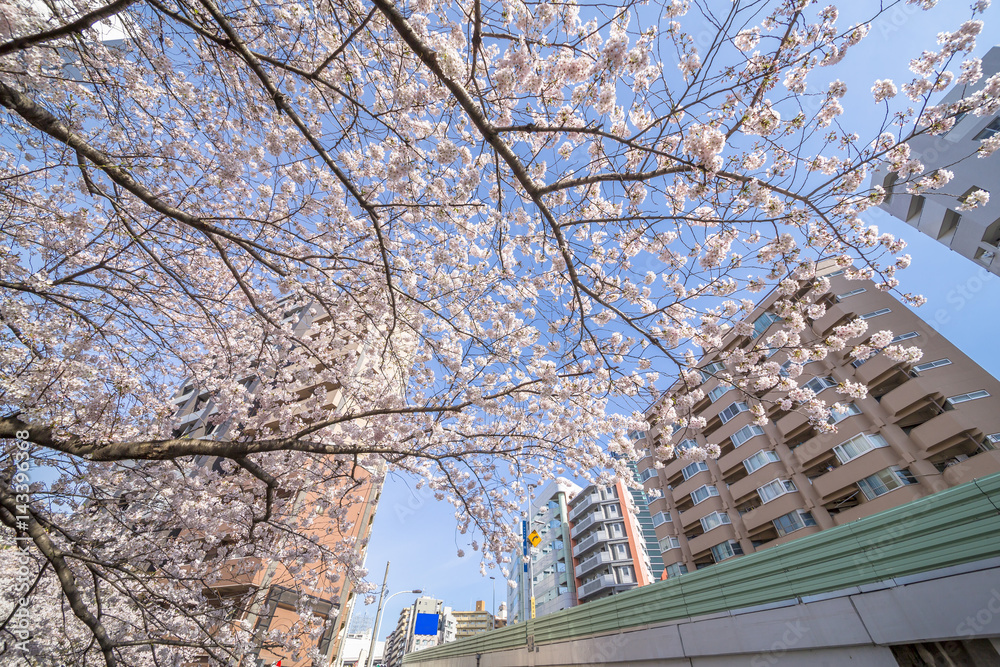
[(836, 416), (733, 410), (661, 518), (745, 434), (993, 439), (989, 130), (885, 481), (693, 469), (906, 336), (793, 521), (759, 460), (876, 313), (714, 520), (775, 488), (783, 370), (853, 292), (717, 393), (647, 474), (675, 570), (962, 398), (818, 384), (835, 274), (721, 552), (685, 445), (858, 445), (668, 543), (858, 363), (931, 364), (761, 324), (703, 493), (710, 370)]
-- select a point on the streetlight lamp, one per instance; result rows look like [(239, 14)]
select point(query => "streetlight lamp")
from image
[(378, 614)]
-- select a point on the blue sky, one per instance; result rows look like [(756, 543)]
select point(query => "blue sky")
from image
[(417, 534)]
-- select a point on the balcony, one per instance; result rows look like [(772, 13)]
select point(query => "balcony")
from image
[(836, 314), (583, 504), (706, 541), (894, 498), (818, 445), (980, 465), (939, 433), (735, 458), (751, 482), (602, 558), (875, 368), (585, 523), (793, 422), (869, 463), (598, 585), (689, 485), (772, 510), (707, 506), (592, 541), (911, 397)]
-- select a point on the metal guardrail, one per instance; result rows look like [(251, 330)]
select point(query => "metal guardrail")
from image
[(951, 527)]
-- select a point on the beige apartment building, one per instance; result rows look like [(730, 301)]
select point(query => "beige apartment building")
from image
[(923, 427), (468, 623)]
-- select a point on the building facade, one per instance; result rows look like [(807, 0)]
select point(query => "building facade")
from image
[(269, 593), (975, 233), (468, 623), (609, 549), (425, 623), (923, 427), (548, 577)]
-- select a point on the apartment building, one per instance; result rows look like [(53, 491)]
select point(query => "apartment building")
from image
[(266, 594), (923, 427), (395, 642), (468, 623), (549, 574), (609, 548), (974, 234), (425, 623)]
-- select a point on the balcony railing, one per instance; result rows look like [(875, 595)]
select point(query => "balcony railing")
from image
[(586, 566), (586, 523), (589, 501), (599, 584), (589, 543)]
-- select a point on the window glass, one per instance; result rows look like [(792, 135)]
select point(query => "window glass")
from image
[(775, 488), (703, 493), (733, 410), (745, 433), (858, 445), (759, 460), (693, 469)]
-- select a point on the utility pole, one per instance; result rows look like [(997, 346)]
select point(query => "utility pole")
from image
[(378, 614)]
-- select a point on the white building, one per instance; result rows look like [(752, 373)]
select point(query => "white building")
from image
[(608, 542), (974, 234), (550, 571)]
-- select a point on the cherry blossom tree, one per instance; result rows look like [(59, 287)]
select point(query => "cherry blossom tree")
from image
[(450, 239)]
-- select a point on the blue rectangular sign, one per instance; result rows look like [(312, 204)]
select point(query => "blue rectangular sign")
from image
[(426, 624)]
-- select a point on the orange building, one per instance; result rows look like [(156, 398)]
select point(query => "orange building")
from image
[(264, 596)]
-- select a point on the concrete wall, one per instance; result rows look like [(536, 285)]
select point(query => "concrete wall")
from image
[(849, 627)]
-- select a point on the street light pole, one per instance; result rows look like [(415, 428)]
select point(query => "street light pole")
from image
[(378, 614), (494, 613)]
